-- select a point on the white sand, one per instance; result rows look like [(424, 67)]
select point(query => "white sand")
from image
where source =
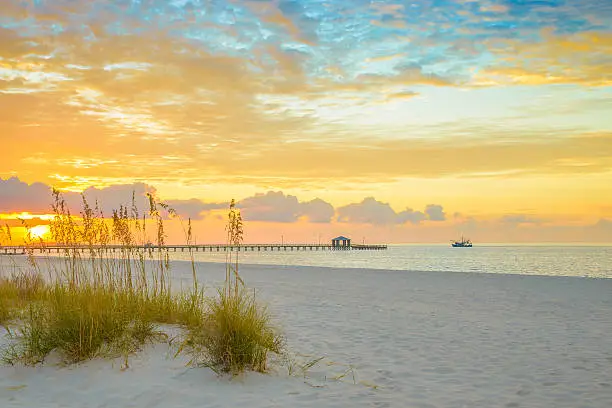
[(425, 339)]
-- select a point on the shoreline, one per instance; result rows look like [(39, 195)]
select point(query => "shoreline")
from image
[(351, 268), (400, 271)]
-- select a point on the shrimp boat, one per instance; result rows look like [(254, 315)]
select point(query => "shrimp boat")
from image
[(464, 243)]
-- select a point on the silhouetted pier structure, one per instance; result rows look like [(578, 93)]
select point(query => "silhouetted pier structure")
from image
[(42, 249)]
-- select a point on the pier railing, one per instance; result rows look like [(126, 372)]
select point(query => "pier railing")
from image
[(54, 248)]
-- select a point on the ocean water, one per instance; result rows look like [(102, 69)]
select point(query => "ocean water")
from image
[(546, 260)]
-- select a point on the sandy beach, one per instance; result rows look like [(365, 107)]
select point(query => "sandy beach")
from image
[(401, 339)]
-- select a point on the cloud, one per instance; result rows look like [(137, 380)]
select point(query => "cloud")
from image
[(479, 149), (13, 9), (411, 216), (402, 95), (272, 206), (369, 217), (401, 77), (17, 222), (194, 208), (275, 206), (390, 23), (435, 212), (17, 196), (12, 45), (604, 224), (484, 151), (371, 211), (517, 219), (578, 58), (113, 197), (494, 8), (525, 228), (183, 88), (317, 211)]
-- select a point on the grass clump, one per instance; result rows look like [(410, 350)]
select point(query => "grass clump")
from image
[(79, 323), (16, 292), (84, 322), (235, 335), (5, 311), (236, 332), (7, 294)]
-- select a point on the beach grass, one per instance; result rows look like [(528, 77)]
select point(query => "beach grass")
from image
[(236, 332), (6, 294), (17, 291), (235, 335), (80, 323), (95, 303)]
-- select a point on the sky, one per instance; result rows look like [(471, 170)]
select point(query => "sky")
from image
[(385, 121)]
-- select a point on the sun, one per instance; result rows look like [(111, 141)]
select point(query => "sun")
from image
[(39, 231)]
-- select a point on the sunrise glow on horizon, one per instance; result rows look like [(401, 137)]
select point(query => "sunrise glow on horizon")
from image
[(383, 120)]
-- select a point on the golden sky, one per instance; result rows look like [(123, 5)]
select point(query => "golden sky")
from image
[(394, 121)]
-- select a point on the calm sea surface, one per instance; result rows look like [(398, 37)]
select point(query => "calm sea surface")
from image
[(554, 260)]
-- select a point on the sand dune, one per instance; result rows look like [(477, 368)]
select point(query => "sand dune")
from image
[(404, 339)]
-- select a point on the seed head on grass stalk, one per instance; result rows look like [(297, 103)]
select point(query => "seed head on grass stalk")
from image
[(235, 234), (30, 241), (188, 233), (94, 234), (65, 231), (163, 255), (5, 235)]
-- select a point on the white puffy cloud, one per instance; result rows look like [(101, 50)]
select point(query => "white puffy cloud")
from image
[(317, 210), (17, 196), (275, 206), (411, 216), (435, 212), (371, 211)]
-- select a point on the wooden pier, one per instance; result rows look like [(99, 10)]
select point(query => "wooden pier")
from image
[(41, 249)]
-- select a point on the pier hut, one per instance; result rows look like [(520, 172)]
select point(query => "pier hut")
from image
[(341, 242)]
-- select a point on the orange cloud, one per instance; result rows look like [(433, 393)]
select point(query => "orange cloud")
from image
[(488, 151), (401, 95), (398, 24), (494, 8), (385, 57), (569, 59)]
